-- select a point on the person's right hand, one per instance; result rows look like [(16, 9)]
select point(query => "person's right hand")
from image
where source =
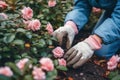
[(65, 31)]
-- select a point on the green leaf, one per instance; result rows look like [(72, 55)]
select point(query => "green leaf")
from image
[(9, 38), (62, 68), (43, 54), (54, 38), (113, 74), (34, 50), (55, 62), (116, 77), (28, 77), (29, 35), (51, 75), (42, 43), (20, 30), (49, 42), (2, 77), (14, 68), (18, 42)]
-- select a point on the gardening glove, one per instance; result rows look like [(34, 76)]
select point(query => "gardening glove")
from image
[(67, 32), (81, 52)]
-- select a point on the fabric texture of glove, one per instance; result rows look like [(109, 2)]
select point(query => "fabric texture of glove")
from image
[(65, 31), (82, 52)]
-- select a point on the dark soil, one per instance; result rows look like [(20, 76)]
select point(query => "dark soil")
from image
[(94, 69), (88, 71)]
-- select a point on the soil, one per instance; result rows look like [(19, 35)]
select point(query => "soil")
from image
[(94, 69)]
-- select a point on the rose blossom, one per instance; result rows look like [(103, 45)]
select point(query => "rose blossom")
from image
[(21, 63), (47, 64), (6, 71), (38, 74), (51, 3), (62, 62), (49, 28), (33, 25), (27, 13), (4, 15), (58, 52), (3, 4), (112, 63)]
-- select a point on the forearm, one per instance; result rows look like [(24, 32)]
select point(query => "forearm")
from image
[(80, 13)]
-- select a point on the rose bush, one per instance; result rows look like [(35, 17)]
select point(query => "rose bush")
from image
[(28, 51)]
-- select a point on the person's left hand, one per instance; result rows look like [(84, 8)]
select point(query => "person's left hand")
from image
[(81, 52)]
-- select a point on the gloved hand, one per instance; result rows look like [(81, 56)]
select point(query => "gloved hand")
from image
[(65, 31), (81, 52)]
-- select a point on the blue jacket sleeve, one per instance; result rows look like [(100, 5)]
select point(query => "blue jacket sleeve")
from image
[(80, 13), (109, 30)]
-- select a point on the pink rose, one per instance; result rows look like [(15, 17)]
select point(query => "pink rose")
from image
[(112, 63), (62, 62), (3, 4), (49, 28), (33, 25), (6, 71), (21, 63), (27, 13), (51, 3), (47, 64), (4, 15), (38, 74), (58, 52)]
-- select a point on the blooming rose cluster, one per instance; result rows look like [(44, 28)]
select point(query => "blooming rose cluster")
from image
[(58, 52), (46, 64), (27, 14), (113, 62), (32, 25)]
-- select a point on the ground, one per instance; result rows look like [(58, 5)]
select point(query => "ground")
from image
[(94, 69)]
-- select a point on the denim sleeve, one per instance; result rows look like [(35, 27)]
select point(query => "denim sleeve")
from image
[(109, 30), (80, 13)]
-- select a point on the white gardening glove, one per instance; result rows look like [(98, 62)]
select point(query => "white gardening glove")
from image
[(81, 52), (65, 31)]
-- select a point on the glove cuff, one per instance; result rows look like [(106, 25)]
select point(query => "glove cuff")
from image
[(93, 43), (73, 25)]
